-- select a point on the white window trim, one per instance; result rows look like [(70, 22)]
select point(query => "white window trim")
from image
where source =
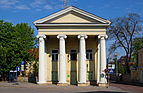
[(70, 55), (91, 53), (55, 53)]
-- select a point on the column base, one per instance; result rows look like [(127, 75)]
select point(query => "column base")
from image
[(82, 84), (49, 82), (41, 83), (62, 84), (102, 84)]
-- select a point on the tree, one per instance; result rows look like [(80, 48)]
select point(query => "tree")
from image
[(24, 36), (122, 31), (15, 43)]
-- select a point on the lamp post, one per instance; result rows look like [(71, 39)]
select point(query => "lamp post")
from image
[(116, 63)]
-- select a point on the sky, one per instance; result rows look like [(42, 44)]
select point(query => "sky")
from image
[(27, 11)]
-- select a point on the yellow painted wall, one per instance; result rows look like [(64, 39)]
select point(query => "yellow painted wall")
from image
[(140, 59), (72, 30), (70, 18), (72, 42)]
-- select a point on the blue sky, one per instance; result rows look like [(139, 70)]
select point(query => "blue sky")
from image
[(27, 11), (17, 11)]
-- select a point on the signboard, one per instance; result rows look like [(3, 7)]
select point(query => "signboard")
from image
[(111, 71), (17, 68), (22, 66), (111, 66), (22, 63)]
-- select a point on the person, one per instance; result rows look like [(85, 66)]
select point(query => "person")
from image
[(120, 76)]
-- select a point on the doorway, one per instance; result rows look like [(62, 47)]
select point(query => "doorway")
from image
[(73, 71)]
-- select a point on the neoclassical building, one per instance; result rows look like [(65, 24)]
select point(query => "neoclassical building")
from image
[(72, 48)]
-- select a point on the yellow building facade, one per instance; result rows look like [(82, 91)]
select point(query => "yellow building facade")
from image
[(72, 48), (140, 65)]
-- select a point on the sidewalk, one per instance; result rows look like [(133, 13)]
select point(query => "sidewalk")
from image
[(128, 83), (70, 88)]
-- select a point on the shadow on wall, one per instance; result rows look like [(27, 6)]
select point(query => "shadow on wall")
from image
[(103, 92)]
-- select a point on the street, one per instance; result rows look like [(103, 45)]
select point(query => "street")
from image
[(34, 88), (131, 88), (57, 90)]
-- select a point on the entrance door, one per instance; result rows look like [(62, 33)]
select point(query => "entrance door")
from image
[(73, 77), (73, 70)]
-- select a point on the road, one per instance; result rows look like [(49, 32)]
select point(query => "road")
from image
[(56, 90), (34, 88), (128, 87)]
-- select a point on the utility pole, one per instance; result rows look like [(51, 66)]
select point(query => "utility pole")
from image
[(65, 3)]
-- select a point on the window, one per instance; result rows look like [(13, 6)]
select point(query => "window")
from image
[(89, 75), (73, 55), (54, 55), (89, 54)]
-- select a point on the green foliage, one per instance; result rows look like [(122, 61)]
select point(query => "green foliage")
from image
[(15, 41), (121, 68)]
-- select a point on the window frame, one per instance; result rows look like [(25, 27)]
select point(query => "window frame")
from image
[(73, 53), (55, 54), (89, 55)]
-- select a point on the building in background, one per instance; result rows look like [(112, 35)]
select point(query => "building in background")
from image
[(140, 65), (72, 48)]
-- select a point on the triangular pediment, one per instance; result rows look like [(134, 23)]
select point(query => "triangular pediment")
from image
[(72, 15)]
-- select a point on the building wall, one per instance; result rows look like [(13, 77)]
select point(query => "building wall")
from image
[(140, 56), (72, 42), (140, 65)]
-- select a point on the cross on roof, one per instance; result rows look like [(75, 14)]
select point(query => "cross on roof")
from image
[(65, 3)]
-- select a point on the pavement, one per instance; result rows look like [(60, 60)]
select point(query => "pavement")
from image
[(129, 86), (25, 87)]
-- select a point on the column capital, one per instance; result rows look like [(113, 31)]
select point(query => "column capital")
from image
[(102, 36), (82, 36), (41, 36), (61, 36)]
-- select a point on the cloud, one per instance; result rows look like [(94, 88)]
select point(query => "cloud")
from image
[(46, 4), (22, 7), (48, 7), (7, 3), (37, 5)]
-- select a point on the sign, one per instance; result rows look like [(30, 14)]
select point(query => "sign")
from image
[(22, 66), (22, 62), (17, 68), (111, 71), (111, 66)]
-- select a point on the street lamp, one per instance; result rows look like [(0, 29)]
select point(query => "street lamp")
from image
[(116, 63)]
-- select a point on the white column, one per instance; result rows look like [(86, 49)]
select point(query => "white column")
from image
[(62, 59), (82, 59), (42, 66), (102, 56), (98, 63)]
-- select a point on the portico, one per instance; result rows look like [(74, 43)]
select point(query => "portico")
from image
[(72, 48)]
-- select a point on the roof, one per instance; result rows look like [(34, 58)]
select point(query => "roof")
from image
[(72, 9)]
